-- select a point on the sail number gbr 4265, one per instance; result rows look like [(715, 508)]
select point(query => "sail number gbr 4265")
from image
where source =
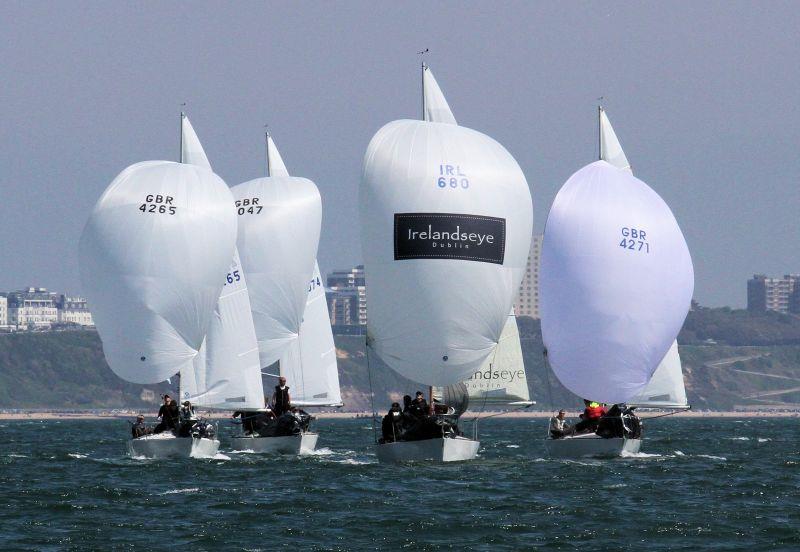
[(156, 203), (634, 239)]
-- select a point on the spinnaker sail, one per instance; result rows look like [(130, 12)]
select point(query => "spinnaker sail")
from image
[(279, 227), (446, 219), (152, 255), (616, 281)]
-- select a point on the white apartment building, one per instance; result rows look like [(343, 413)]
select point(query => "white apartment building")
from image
[(34, 307), (3, 311), (527, 303), (74, 310)]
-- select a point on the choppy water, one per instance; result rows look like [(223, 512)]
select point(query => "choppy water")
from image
[(700, 484)]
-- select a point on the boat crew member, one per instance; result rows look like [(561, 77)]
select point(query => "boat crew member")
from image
[(139, 429), (419, 406), (391, 424), (187, 419), (592, 413), (281, 400), (558, 425), (168, 415)]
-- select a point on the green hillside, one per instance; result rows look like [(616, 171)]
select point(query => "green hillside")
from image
[(731, 358)]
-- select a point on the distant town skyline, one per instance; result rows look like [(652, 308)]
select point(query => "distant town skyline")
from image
[(700, 94)]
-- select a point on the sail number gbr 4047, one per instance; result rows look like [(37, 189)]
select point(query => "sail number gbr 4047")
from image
[(159, 204), (634, 239)]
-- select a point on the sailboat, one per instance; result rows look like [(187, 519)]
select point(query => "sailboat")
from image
[(446, 219), (616, 283), (501, 382), (152, 255), (279, 226)]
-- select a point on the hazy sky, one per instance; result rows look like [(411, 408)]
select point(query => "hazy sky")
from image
[(703, 96)]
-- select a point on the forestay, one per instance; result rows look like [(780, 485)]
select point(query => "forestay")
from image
[(446, 221), (309, 364), (151, 257), (226, 373), (279, 227), (616, 280)]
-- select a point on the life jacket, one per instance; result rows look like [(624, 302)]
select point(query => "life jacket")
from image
[(281, 398), (593, 411)]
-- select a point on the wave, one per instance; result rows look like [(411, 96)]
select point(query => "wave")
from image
[(77, 455), (181, 491)]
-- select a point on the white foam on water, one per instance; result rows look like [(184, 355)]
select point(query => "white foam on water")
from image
[(764, 439), (181, 491), (139, 458), (512, 446), (77, 455), (354, 462), (626, 454), (711, 457), (616, 486), (321, 452), (14, 455), (245, 451), (739, 438), (219, 456), (679, 453)]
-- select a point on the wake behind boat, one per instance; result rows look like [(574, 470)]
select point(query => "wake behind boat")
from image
[(446, 221)]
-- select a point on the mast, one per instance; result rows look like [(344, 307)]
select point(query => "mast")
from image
[(422, 82), (266, 145), (599, 131), (180, 154)]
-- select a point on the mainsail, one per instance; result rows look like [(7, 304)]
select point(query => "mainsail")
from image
[(226, 373), (666, 389), (309, 364), (151, 257), (446, 220), (616, 280), (279, 227), (501, 381)]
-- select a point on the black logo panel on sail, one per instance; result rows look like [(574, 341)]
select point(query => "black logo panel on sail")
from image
[(449, 236)]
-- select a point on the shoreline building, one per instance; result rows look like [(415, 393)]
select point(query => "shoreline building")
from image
[(34, 307), (774, 294), (3, 311), (73, 310), (346, 293), (527, 301)]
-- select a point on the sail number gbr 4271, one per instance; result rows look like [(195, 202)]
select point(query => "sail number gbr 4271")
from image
[(634, 239)]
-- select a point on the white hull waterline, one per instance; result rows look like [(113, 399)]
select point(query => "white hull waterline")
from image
[(290, 444), (428, 450), (591, 445), (156, 446)]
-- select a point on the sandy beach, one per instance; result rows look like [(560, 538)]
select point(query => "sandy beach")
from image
[(121, 414)]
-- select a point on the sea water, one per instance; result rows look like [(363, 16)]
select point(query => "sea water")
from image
[(698, 484)]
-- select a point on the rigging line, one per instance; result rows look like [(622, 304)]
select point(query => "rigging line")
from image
[(661, 415), (371, 392)]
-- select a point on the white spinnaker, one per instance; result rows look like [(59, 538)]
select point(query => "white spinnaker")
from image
[(610, 148), (501, 381), (666, 386), (279, 227), (227, 374), (436, 109), (612, 300), (437, 307), (152, 276), (309, 364), (192, 151), (665, 389)]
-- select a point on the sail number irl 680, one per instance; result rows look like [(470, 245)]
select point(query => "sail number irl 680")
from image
[(450, 176), (248, 205), (158, 204), (634, 239)]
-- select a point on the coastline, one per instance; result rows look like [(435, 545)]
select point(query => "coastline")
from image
[(40, 415)]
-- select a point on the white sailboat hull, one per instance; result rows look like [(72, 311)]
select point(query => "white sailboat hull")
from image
[(428, 450), (290, 444), (591, 445), (156, 446)]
